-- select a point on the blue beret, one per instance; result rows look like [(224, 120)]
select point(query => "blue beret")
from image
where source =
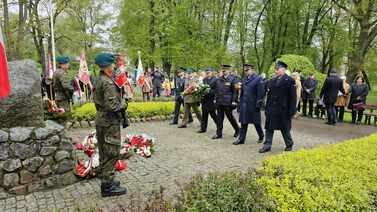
[(246, 66), (104, 59), (62, 59), (281, 64)]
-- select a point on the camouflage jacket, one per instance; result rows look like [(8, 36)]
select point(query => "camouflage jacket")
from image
[(62, 86), (108, 102)]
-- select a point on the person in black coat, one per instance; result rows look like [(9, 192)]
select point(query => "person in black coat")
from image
[(157, 79), (309, 88), (251, 101), (280, 107), (329, 92), (359, 93), (208, 101), (179, 88), (225, 97)]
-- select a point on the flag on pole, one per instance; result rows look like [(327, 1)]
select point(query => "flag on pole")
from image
[(120, 78), (4, 78), (50, 68), (84, 74), (140, 72)]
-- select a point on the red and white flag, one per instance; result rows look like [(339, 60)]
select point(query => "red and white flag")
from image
[(120, 78), (50, 69), (140, 72), (4, 78), (84, 74)]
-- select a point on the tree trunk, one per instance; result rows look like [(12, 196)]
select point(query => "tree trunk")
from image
[(152, 34), (7, 32), (22, 17)]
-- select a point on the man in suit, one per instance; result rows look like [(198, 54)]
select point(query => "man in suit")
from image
[(309, 89), (280, 107), (208, 101), (251, 101), (157, 79), (225, 97), (329, 92)]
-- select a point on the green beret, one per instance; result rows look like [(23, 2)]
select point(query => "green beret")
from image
[(62, 59), (189, 70), (104, 59)]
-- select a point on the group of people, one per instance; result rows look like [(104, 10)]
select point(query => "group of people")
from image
[(228, 93)]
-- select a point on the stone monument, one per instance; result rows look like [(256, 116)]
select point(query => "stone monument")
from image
[(34, 154)]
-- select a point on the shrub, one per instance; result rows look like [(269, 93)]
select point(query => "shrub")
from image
[(223, 192), (135, 110), (297, 62), (339, 177)]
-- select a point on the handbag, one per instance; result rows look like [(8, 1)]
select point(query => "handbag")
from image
[(358, 106)]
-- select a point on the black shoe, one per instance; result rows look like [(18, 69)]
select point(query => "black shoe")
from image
[(173, 123), (236, 134), (216, 137), (288, 148), (330, 123), (112, 190), (201, 131), (265, 149), (116, 183), (238, 142), (182, 126), (260, 140)]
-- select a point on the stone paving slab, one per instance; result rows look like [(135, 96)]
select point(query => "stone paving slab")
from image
[(181, 153)]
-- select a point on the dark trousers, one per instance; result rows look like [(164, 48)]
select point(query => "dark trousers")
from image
[(331, 113), (156, 91), (285, 133), (221, 112), (357, 113), (177, 108), (304, 106), (146, 96), (243, 131), (340, 113), (205, 114)]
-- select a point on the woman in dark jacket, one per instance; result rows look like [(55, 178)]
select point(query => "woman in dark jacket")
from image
[(359, 93)]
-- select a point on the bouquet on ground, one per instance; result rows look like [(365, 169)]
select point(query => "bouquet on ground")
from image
[(142, 145), (201, 91)]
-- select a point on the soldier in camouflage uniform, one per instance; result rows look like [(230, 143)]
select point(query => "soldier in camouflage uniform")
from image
[(62, 86), (108, 104)]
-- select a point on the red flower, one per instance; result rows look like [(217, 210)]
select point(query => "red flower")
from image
[(120, 165)]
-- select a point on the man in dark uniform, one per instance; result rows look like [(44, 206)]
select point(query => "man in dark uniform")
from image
[(208, 101), (280, 107), (225, 97), (309, 88), (179, 88), (109, 105), (157, 79), (251, 101), (62, 86)]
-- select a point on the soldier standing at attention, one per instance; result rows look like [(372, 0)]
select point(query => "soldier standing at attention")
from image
[(109, 105), (225, 97), (62, 86), (280, 107)]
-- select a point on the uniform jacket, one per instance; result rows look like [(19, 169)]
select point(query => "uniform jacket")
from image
[(108, 102), (251, 100), (225, 91), (179, 87), (330, 89), (62, 86), (281, 103), (189, 98), (208, 101), (309, 88)]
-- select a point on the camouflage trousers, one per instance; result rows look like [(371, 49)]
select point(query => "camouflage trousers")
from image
[(195, 108), (64, 104), (108, 139)]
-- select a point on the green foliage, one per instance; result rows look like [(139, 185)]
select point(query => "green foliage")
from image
[(298, 62), (339, 177), (135, 110), (224, 192)]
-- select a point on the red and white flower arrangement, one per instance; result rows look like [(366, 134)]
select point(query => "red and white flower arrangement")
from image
[(142, 145)]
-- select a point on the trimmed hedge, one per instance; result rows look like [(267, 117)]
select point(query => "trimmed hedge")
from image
[(135, 110), (340, 177)]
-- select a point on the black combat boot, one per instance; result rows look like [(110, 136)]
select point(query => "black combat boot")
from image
[(108, 190)]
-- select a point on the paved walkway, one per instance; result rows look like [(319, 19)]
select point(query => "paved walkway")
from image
[(181, 154)]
